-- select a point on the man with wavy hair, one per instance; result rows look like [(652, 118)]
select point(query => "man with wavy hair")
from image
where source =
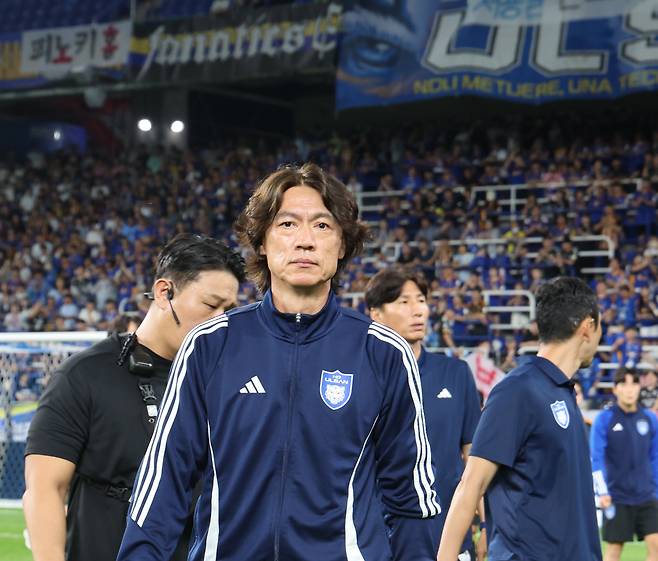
[(301, 416)]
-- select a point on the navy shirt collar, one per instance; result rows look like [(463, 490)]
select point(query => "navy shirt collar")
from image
[(302, 327), (558, 377), (422, 357)]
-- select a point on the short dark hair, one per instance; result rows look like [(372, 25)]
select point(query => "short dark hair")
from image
[(562, 304), (621, 373), (186, 256), (385, 287), (254, 221)]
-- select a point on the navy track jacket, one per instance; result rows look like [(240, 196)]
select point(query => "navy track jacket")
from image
[(294, 422), (624, 448)]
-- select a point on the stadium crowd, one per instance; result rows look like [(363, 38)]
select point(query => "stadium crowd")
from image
[(78, 233)]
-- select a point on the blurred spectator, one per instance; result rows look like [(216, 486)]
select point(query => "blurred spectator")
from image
[(627, 349), (626, 306), (90, 315), (408, 255), (649, 390), (16, 319), (530, 335), (25, 388)]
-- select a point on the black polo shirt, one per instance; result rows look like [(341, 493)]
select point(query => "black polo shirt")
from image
[(93, 415), (541, 502)]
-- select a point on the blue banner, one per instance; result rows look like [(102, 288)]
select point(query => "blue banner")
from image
[(529, 51)]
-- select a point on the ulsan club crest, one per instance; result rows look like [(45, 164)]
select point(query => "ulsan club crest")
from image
[(335, 388), (560, 413), (642, 427)]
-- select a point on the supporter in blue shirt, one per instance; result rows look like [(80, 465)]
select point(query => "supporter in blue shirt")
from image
[(397, 297), (628, 349), (626, 306), (624, 447), (530, 448)]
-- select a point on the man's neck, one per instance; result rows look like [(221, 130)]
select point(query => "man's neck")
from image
[(417, 348), (292, 300), (149, 334), (562, 356), (626, 408)]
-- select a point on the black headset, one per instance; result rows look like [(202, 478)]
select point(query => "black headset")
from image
[(170, 297)]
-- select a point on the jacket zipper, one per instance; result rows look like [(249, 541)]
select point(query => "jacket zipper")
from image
[(286, 444)]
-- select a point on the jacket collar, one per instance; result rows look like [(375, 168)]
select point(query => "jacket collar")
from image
[(422, 358), (298, 327), (556, 375)]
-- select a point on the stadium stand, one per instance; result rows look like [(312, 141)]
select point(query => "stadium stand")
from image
[(487, 222)]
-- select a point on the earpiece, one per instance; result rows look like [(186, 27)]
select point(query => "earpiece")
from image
[(170, 296)]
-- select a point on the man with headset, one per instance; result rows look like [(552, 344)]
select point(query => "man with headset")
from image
[(97, 415)]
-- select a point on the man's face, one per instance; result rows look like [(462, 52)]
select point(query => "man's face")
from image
[(304, 242), (211, 294), (407, 314), (627, 392)]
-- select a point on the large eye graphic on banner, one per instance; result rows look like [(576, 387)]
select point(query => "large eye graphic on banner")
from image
[(378, 40)]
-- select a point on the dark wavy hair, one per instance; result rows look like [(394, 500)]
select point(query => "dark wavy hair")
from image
[(263, 205)]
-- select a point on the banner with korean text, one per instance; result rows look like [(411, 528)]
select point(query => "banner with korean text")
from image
[(60, 50), (529, 51), (42, 57)]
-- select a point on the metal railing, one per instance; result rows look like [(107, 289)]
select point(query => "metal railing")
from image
[(392, 250), (514, 201), (530, 309)]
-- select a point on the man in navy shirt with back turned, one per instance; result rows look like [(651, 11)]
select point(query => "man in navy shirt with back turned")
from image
[(397, 298), (530, 450), (624, 446)]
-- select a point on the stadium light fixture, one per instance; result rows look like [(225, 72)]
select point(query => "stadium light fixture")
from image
[(177, 126), (57, 135), (144, 125)]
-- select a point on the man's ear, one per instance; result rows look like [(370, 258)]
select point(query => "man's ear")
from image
[(161, 289), (587, 328), (375, 314), (341, 252)]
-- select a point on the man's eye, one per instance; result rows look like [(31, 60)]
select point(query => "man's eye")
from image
[(323, 226), (211, 306), (286, 224)]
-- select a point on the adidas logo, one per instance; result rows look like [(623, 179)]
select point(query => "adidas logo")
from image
[(253, 386), (444, 394), (617, 427)]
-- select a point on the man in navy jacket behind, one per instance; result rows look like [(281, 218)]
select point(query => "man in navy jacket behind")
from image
[(397, 297), (299, 416), (624, 447)]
